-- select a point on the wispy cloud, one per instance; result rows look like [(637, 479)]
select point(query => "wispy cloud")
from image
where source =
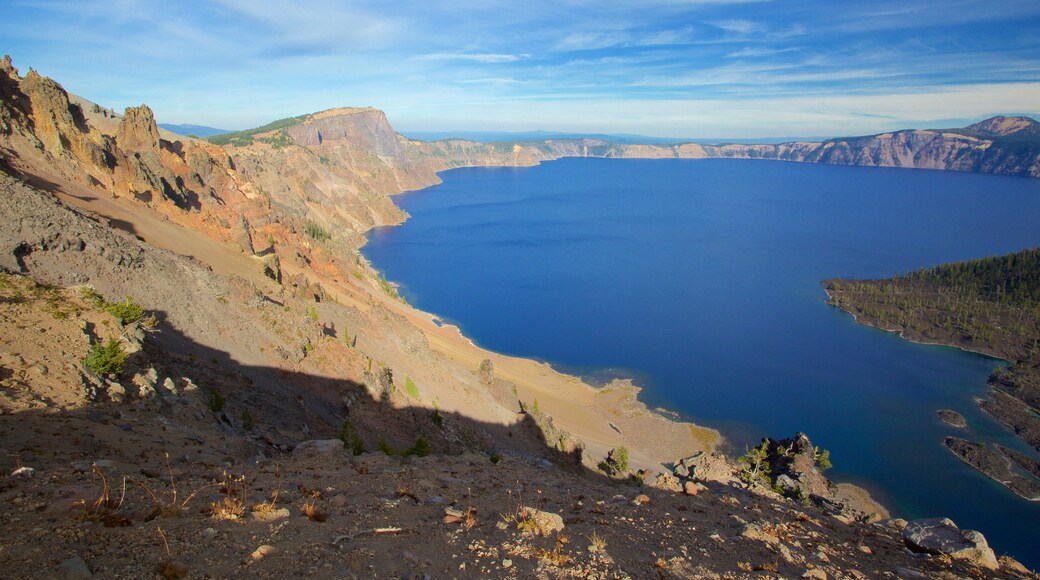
[(639, 66), (481, 58)]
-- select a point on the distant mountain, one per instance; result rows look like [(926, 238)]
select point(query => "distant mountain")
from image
[(1004, 128), (197, 130), (621, 138)]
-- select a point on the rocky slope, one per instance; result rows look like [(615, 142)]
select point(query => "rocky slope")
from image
[(148, 474), (271, 337)]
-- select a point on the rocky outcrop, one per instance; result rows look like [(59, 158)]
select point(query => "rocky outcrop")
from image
[(137, 130), (367, 128), (942, 536), (794, 467), (706, 467)]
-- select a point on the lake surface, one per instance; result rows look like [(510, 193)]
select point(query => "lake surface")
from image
[(701, 279)]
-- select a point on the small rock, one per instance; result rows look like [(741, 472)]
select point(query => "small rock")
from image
[(641, 499), (866, 550), (209, 533), (25, 472), (755, 532), (264, 551), (815, 573), (450, 511), (271, 515), (75, 568), (507, 563), (689, 488), (339, 500)]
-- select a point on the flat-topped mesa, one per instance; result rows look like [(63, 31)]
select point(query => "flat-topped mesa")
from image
[(137, 130), (365, 127)]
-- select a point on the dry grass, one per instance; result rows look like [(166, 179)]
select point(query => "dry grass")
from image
[(233, 505), (269, 506), (171, 507), (104, 509), (597, 543), (556, 556), (311, 510)]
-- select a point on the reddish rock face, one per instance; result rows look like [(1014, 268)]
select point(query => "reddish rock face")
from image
[(137, 130)]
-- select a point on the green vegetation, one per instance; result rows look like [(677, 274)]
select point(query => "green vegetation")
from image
[(388, 288), (106, 359), (247, 420), (216, 401), (621, 459), (312, 312), (240, 138), (421, 448), (384, 446), (754, 465), (990, 305), (410, 387), (616, 462), (279, 140), (317, 232), (823, 459), (350, 437), (127, 311)]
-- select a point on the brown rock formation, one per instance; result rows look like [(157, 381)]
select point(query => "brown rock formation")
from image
[(137, 130)]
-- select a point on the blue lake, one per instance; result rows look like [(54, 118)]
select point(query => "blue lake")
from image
[(701, 280)]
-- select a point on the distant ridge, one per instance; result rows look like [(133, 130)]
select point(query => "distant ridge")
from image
[(621, 138), (196, 130)]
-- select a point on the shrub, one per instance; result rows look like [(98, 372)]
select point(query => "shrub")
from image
[(823, 459), (384, 446), (411, 388), (216, 401), (754, 465), (106, 359), (348, 434), (621, 459), (126, 311), (421, 448), (316, 232)]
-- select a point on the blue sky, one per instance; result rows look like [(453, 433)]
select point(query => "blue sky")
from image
[(673, 68)]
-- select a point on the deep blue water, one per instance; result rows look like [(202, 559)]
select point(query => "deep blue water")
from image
[(701, 278)]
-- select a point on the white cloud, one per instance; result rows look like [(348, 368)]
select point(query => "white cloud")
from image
[(481, 58)]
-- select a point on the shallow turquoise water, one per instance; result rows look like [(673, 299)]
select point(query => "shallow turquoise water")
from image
[(701, 279)]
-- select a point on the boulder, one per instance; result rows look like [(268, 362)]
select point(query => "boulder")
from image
[(540, 522), (942, 536), (705, 467)]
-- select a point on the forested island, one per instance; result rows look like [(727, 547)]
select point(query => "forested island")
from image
[(990, 306)]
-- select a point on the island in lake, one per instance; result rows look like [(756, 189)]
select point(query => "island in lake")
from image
[(990, 306)]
